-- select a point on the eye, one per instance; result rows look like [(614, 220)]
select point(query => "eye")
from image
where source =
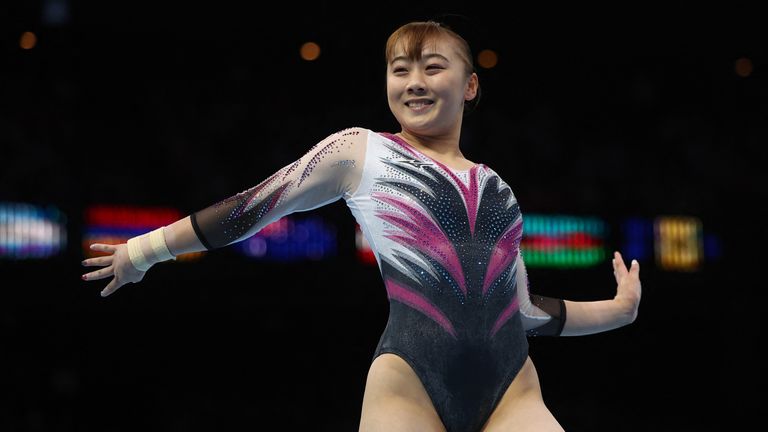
[(434, 68), (399, 69)]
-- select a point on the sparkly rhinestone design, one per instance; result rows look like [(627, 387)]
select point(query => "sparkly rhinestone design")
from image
[(459, 234)]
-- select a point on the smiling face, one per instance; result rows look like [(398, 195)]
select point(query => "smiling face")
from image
[(426, 89)]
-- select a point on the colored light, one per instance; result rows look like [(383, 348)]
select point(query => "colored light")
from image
[(487, 58), (28, 231), (712, 248), (310, 51), (562, 241), (679, 242), (363, 249), (115, 224), (638, 238), (743, 67), (28, 40), (292, 239)]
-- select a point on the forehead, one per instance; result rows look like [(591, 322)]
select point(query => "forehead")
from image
[(408, 50)]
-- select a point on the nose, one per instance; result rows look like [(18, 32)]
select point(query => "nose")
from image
[(416, 84)]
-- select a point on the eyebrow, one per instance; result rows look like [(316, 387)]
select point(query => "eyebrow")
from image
[(426, 56)]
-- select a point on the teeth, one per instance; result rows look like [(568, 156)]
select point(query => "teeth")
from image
[(418, 104)]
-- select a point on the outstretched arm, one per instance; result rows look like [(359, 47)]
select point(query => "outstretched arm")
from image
[(556, 317), (324, 174)]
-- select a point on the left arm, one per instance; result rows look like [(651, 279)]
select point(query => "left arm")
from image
[(590, 317), (555, 317)]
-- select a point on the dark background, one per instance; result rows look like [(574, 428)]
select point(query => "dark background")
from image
[(617, 112)]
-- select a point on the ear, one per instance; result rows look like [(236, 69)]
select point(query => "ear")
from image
[(470, 92)]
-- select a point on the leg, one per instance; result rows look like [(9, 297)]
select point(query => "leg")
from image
[(522, 408), (395, 399)]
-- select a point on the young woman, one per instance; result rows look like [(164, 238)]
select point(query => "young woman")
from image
[(446, 235)]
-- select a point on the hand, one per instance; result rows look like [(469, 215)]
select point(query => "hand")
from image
[(628, 289), (118, 265)]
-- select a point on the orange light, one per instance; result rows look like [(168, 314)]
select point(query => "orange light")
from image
[(28, 40), (310, 51), (487, 59), (743, 67), (679, 242)]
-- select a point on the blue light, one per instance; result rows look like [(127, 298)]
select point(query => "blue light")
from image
[(638, 239), (292, 239)]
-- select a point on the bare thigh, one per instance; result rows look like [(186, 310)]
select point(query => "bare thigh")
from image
[(395, 399), (522, 407)]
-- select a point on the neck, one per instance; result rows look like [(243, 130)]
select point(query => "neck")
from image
[(446, 144)]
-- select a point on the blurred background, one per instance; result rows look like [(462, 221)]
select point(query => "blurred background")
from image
[(632, 128)]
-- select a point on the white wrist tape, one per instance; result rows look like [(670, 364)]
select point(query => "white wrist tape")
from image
[(136, 255), (160, 251), (159, 247)]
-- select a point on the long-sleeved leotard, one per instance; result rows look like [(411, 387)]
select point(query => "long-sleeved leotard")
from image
[(447, 243)]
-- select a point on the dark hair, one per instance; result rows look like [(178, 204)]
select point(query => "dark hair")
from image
[(414, 35)]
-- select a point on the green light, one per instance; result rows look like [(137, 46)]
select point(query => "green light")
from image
[(563, 241)]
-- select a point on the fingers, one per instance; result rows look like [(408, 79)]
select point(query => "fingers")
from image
[(619, 261), (99, 274), (108, 262), (620, 269), (98, 261), (101, 247)]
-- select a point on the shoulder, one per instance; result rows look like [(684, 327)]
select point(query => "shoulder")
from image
[(349, 138), (492, 174), (355, 133), (489, 170), (342, 140)]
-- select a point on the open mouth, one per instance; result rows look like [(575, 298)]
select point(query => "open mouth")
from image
[(419, 103)]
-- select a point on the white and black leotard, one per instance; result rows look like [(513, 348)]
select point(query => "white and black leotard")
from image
[(447, 243)]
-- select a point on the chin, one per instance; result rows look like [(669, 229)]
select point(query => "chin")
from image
[(418, 129), (416, 123)]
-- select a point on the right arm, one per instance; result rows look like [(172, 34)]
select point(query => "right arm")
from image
[(324, 174)]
